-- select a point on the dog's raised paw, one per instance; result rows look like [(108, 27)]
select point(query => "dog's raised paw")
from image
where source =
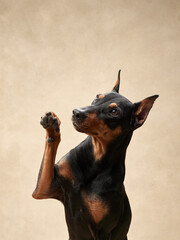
[(50, 120)]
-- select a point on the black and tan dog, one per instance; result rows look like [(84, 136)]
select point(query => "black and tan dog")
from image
[(89, 179)]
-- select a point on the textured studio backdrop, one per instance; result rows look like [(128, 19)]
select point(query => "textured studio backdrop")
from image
[(56, 56)]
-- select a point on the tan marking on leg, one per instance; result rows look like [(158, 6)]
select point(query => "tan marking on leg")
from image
[(65, 170), (46, 174), (96, 207)]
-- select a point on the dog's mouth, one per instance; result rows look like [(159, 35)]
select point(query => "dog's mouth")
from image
[(77, 127), (84, 129)]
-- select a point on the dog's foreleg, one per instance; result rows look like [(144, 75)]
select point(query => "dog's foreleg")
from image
[(48, 185)]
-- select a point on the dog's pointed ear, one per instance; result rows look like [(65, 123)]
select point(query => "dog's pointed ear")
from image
[(141, 111), (116, 87)]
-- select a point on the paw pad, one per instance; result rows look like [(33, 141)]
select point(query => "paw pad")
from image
[(50, 121)]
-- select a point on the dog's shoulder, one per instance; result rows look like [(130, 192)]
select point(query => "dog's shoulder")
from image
[(76, 162)]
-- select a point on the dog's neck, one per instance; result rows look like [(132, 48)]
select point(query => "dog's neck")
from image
[(99, 147), (113, 150)]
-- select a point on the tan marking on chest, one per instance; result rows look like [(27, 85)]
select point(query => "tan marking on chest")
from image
[(104, 137), (96, 207), (65, 170)]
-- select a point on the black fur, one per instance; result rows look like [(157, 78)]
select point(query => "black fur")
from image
[(101, 179)]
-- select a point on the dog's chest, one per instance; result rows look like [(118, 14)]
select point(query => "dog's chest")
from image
[(92, 197), (94, 206), (94, 203)]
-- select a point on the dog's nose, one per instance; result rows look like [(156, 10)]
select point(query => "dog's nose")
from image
[(79, 114)]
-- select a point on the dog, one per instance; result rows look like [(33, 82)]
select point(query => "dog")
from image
[(88, 180)]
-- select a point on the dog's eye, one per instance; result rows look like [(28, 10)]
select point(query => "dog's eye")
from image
[(113, 111)]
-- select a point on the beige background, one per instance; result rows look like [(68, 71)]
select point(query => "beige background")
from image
[(57, 55)]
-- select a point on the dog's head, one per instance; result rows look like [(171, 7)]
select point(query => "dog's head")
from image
[(110, 114)]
